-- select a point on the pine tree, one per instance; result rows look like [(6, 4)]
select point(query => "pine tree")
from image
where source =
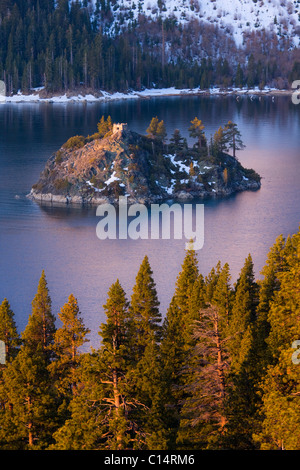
[(104, 126), (220, 141), (29, 418), (173, 357), (243, 314), (211, 281), (206, 385), (30, 402), (177, 340), (104, 414), (67, 341), (117, 355), (276, 263), (144, 310), (185, 282), (280, 411), (223, 296), (147, 388), (233, 138), (161, 132), (41, 324), (90, 409), (239, 77), (156, 129), (207, 365), (177, 143), (196, 131), (145, 372), (282, 315), (242, 399), (280, 387)]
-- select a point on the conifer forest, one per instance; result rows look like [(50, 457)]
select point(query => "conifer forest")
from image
[(62, 46), (218, 370)]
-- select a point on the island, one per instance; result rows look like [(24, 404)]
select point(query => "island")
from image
[(116, 161)]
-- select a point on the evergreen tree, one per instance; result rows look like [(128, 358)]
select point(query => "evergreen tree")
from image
[(196, 131), (284, 306), (241, 402), (104, 414), (116, 355), (41, 324), (104, 126), (90, 409), (220, 141), (233, 138), (251, 72), (239, 76), (280, 387), (243, 314), (211, 281), (276, 263), (177, 143), (206, 385), (67, 341), (280, 411), (177, 338), (223, 296), (161, 132), (144, 310), (145, 373), (156, 129), (29, 418)]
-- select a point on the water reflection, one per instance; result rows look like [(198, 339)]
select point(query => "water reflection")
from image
[(63, 240)]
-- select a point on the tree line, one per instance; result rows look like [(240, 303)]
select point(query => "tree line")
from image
[(224, 139), (62, 46), (218, 371)]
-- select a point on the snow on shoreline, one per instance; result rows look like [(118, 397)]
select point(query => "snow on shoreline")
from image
[(147, 93)]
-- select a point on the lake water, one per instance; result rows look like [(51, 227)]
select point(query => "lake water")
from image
[(63, 240)]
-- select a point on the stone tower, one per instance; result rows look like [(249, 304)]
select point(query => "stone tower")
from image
[(119, 127)]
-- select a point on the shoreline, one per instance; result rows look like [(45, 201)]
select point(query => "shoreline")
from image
[(60, 200), (40, 96)]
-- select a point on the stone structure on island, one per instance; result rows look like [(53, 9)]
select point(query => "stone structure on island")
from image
[(119, 127)]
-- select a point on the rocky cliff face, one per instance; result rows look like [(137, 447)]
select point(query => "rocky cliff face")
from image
[(124, 163)]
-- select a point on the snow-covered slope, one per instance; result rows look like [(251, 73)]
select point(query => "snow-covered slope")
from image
[(234, 16)]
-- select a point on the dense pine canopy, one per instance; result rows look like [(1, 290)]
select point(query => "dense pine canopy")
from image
[(216, 371)]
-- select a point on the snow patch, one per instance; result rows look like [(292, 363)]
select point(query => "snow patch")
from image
[(112, 179)]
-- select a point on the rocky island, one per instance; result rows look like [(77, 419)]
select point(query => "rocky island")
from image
[(115, 161)]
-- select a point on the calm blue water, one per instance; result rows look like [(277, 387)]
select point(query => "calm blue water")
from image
[(63, 241)]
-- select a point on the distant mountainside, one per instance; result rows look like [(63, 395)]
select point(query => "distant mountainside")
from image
[(110, 45), (97, 170), (238, 18)]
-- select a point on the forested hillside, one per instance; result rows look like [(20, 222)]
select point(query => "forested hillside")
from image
[(106, 46), (218, 370)]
